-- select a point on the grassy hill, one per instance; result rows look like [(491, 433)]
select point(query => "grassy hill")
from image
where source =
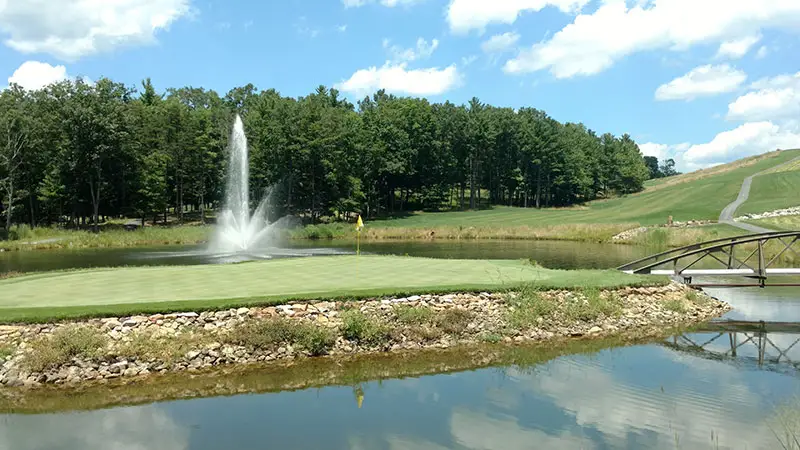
[(771, 191), (693, 196)]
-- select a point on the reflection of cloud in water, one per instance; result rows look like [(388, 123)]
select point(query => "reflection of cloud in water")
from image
[(772, 304), (478, 431), (721, 404), (134, 428)]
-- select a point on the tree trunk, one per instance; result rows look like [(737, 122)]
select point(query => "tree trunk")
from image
[(8, 205), (180, 200), (30, 204), (463, 188), (539, 187), (95, 203)]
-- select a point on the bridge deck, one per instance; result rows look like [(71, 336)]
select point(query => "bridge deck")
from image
[(721, 272)]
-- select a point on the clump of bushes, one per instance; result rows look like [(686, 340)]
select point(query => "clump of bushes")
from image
[(62, 346), (591, 304), (454, 320), (145, 346), (357, 327), (527, 306), (413, 315), (269, 334), (675, 305)]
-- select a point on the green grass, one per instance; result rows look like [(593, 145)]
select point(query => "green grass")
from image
[(772, 191), (688, 197), (85, 293), (269, 334)]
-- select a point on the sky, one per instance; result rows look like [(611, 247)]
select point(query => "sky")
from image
[(701, 81)]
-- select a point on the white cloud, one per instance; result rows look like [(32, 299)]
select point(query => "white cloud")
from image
[(737, 48), (762, 52), (500, 42), (133, 428), (34, 75), (342, 28), (467, 60), (397, 78), (653, 149), (387, 3), (594, 42), (466, 15), (71, 29), (423, 50), (702, 81), (748, 139), (772, 99)]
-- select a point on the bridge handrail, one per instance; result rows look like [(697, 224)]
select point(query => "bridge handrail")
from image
[(737, 240), (694, 249)]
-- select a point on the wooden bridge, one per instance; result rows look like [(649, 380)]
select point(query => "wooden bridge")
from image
[(768, 346), (759, 257)]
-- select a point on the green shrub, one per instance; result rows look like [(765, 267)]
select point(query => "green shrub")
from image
[(6, 351), (527, 306), (358, 327), (675, 305), (316, 340), (270, 333), (413, 315), (145, 346), (264, 334), (454, 320), (20, 232), (63, 345), (591, 305)]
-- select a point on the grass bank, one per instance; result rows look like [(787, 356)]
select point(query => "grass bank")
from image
[(785, 223), (770, 192), (56, 238), (131, 290), (376, 231)]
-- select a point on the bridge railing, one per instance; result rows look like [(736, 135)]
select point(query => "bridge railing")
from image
[(722, 253)]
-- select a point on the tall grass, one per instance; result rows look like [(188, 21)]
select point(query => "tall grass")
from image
[(24, 238), (569, 232), (63, 345)]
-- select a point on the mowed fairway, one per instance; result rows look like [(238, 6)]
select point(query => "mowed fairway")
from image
[(688, 197), (91, 292)]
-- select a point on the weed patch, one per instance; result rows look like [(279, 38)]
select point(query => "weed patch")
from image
[(413, 315), (359, 328), (454, 320), (591, 304), (527, 306), (675, 305), (63, 345)]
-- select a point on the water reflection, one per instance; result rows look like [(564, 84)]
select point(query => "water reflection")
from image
[(134, 428), (716, 388)]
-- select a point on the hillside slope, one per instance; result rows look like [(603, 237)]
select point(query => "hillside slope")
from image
[(695, 196)]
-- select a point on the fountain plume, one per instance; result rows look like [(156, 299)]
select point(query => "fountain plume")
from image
[(238, 231)]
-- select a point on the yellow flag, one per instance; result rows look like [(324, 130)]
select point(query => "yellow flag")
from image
[(360, 223)]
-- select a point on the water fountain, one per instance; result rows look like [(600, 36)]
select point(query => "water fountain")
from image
[(238, 231), (240, 236)]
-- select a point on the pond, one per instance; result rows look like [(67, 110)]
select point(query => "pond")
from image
[(708, 389), (552, 254)]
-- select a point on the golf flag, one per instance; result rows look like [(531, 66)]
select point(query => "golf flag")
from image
[(359, 226)]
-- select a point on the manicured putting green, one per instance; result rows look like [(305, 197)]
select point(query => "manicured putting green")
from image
[(315, 277)]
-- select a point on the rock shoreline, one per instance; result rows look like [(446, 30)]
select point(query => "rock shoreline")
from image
[(99, 350)]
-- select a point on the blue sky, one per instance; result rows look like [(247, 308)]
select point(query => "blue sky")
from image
[(703, 81)]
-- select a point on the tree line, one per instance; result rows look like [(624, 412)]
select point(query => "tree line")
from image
[(74, 152)]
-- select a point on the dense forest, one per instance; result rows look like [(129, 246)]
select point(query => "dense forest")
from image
[(73, 153)]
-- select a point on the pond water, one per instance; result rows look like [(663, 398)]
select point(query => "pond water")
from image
[(707, 389), (553, 254)]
